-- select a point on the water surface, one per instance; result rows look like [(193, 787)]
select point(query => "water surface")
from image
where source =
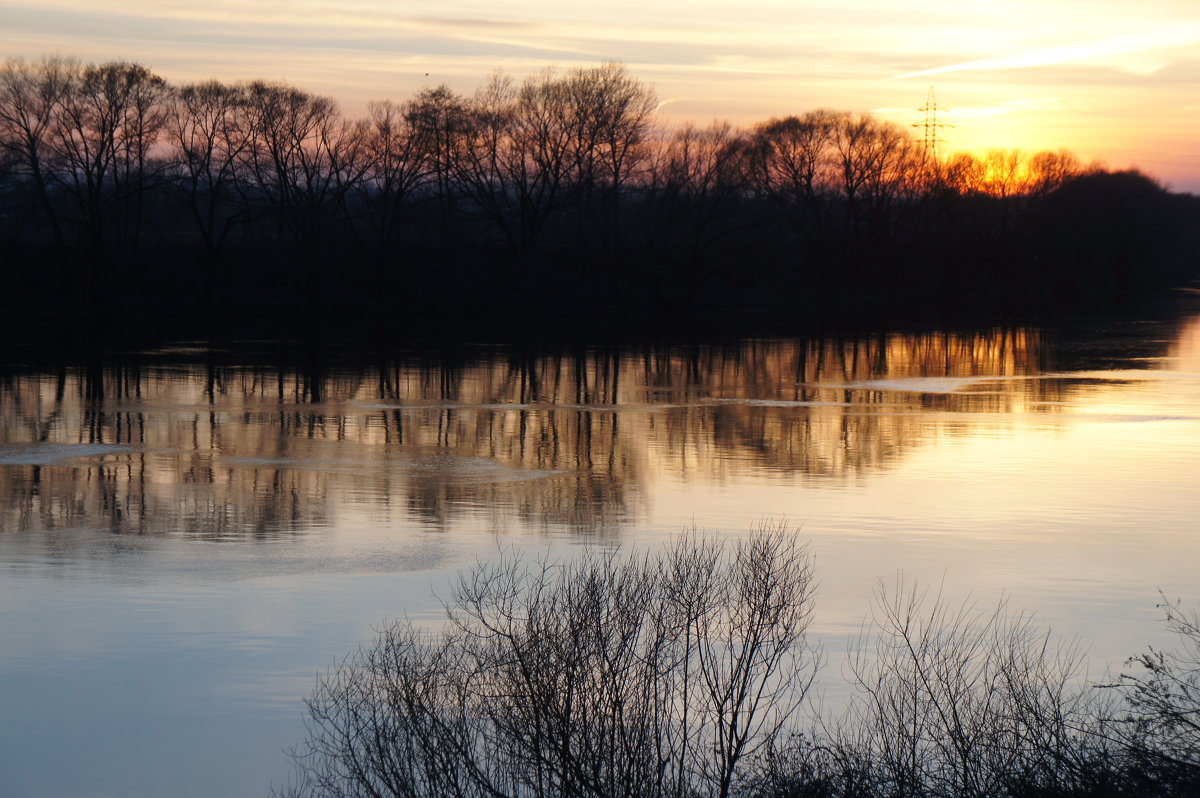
[(189, 534)]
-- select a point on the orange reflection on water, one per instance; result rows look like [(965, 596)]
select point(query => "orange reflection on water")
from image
[(574, 439), (1184, 352), (835, 408)]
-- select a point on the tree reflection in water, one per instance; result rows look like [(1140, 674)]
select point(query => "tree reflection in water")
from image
[(213, 448)]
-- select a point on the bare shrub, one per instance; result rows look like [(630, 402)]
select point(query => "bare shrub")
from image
[(612, 674), (960, 701), (1159, 725)]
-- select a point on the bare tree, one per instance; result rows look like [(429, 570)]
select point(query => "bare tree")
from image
[(209, 128), (492, 170), (964, 174), (791, 163), (878, 163), (555, 142), (30, 98), (695, 183), (302, 161), (440, 119), (106, 125), (395, 167), (614, 111), (1050, 170), (540, 156)]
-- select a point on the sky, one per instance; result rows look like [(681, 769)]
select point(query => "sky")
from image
[(1111, 80)]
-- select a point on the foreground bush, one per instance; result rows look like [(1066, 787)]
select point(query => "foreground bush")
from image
[(952, 702), (681, 674), (1159, 726), (609, 675)]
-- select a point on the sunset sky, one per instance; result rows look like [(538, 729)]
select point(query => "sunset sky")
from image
[(1110, 79)]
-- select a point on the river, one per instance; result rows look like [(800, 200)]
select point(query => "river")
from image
[(190, 533)]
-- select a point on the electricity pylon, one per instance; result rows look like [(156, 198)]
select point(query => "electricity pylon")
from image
[(930, 126)]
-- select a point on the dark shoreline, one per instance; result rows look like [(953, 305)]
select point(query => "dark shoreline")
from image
[(347, 337)]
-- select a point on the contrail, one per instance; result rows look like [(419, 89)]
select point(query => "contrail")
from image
[(1186, 33)]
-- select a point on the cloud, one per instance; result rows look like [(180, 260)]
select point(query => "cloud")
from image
[(1122, 52), (477, 23)]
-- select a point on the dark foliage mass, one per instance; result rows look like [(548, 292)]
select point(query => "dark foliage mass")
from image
[(684, 674), (120, 191)]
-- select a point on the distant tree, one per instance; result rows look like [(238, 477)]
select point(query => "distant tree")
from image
[(696, 180), (208, 127), (107, 122), (396, 166), (1050, 170), (963, 173), (791, 163), (440, 120), (491, 167), (557, 188), (553, 143), (30, 98), (542, 156), (616, 110), (301, 164), (1004, 173), (877, 164)]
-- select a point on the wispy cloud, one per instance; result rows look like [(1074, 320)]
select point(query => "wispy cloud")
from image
[(982, 111), (1115, 51)]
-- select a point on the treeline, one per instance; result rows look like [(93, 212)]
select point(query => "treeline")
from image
[(119, 190), (686, 674)]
